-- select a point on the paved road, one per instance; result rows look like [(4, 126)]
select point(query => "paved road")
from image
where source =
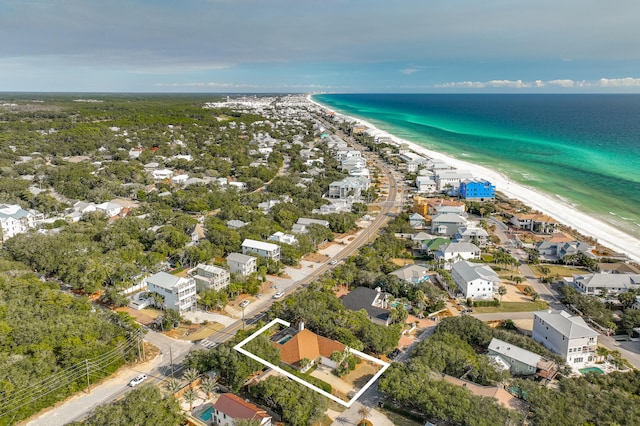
[(173, 351)]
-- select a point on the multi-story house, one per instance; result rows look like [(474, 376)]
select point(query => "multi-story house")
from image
[(452, 252), (567, 335), (595, 284), (15, 220), (475, 280), (230, 408), (179, 292), (242, 264), (261, 248), (349, 187), (476, 190), (209, 276)]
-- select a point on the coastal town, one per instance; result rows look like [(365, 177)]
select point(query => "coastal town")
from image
[(263, 260)]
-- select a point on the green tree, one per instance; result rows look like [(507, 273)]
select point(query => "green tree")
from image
[(502, 290), (189, 396)]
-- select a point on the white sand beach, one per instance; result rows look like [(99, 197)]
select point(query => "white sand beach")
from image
[(564, 213)]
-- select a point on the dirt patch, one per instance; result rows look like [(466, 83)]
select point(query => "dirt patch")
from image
[(362, 374), (402, 262), (316, 257), (193, 332), (144, 316)]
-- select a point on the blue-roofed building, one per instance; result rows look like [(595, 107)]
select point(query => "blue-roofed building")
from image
[(14, 220), (477, 190)]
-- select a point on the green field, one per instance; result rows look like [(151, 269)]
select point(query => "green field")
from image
[(512, 307)]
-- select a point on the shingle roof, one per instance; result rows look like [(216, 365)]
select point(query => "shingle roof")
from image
[(363, 298), (307, 344), (410, 272), (239, 257), (164, 280), (237, 408), (472, 271)]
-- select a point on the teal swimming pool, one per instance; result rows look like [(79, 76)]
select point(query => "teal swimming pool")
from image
[(206, 414), (591, 370)]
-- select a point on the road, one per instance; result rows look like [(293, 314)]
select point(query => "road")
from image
[(174, 351)]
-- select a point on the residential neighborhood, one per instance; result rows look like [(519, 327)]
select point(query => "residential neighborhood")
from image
[(180, 241)]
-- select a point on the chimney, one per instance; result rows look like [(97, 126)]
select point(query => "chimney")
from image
[(301, 326)]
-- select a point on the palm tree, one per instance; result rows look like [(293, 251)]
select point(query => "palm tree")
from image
[(190, 396), (173, 385), (190, 375), (207, 385), (364, 413), (502, 290)]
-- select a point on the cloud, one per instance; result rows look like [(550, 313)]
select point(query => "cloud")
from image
[(411, 70), (562, 83)]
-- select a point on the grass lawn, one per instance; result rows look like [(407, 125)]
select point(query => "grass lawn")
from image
[(512, 307), (561, 270)]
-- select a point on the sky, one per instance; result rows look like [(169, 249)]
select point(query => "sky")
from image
[(347, 46)]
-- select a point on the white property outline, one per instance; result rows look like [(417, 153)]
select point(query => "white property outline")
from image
[(239, 348)]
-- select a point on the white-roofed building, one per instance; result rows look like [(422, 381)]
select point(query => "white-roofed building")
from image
[(594, 284), (475, 280), (567, 335), (162, 174), (261, 248), (452, 252), (449, 180), (426, 184), (349, 187), (242, 264), (281, 237), (179, 292), (209, 276), (15, 220), (447, 224), (413, 274), (468, 234)]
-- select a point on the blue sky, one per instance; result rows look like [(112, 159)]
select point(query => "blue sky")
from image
[(313, 46)]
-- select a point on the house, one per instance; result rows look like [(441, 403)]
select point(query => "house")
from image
[(180, 179), (345, 154), (433, 245), (307, 221), (110, 209), (417, 221), (521, 362), (162, 174), (426, 184), (477, 190), (281, 237), (427, 205), (229, 408), (595, 284), (299, 344), (209, 276), (375, 302), (349, 187), (555, 251), (242, 264), (413, 274), (535, 222), (15, 220), (472, 234), (447, 224), (449, 253), (353, 163), (449, 180), (236, 224), (567, 335), (261, 248), (179, 293), (475, 280)]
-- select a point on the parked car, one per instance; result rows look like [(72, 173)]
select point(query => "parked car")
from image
[(244, 303), (137, 380), (278, 295), (333, 262)]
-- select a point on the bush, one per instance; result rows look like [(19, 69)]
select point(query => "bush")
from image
[(484, 303), (307, 378)]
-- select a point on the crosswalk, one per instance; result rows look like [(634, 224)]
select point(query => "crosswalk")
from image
[(208, 344)]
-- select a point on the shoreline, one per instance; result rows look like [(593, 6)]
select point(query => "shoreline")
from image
[(605, 234)]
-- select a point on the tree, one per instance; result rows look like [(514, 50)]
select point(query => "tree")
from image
[(502, 290), (207, 385), (143, 406), (364, 412), (189, 397), (190, 375), (173, 385)]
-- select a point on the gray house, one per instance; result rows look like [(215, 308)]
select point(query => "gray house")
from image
[(520, 362)]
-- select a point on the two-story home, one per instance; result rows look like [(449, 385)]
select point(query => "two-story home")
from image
[(567, 335), (349, 187), (452, 252), (179, 292), (535, 222), (374, 302), (472, 234), (449, 180), (447, 224), (209, 276), (281, 237), (475, 280), (261, 248), (14, 220), (230, 408), (554, 251), (242, 264), (521, 362)]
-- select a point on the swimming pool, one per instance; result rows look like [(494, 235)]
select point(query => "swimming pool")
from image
[(206, 414), (591, 370)]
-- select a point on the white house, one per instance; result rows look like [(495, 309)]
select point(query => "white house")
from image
[(209, 276), (350, 186), (229, 407), (417, 221), (567, 335), (261, 248), (242, 264), (15, 220), (614, 284), (451, 252), (413, 274), (449, 180), (281, 237), (162, 174), (468, 234), (426, 184), (475, 280), (447, 224), (110, 209), (179, 292)]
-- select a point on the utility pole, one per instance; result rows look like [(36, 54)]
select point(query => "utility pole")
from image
[(171, 360), (86, 363)]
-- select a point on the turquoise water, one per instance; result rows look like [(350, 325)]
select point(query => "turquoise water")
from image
[(581, 149), (591, 370), (206, 415)]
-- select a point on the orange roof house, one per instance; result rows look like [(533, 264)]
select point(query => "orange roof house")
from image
[(307, 344), (230, 407)]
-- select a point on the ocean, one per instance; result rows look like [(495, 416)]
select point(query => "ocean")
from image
[(581, 149)]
